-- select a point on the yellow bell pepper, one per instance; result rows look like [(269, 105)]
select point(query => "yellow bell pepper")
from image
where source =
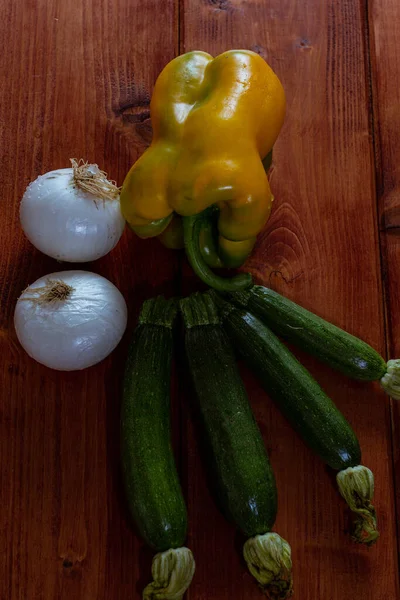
[(214, 121)]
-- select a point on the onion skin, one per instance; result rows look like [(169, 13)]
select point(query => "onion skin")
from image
[(66, 223), (74, 333)]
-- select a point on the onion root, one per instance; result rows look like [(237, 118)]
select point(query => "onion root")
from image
[(52, 292), (89, 178)]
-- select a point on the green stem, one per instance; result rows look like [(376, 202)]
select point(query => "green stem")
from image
[(207, 242), (191, 231), (199, 309), (159, 311)]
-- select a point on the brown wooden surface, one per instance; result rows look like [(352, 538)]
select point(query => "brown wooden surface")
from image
[(76, 79), (384, 27)]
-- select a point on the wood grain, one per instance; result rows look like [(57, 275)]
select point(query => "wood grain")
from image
[(76, 81), (321, 249), (384, 31)]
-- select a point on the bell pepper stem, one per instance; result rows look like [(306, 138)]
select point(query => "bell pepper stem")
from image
[(191, 232), (207, 241)]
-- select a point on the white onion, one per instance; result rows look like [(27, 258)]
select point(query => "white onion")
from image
[(67, 223), (73, 332)]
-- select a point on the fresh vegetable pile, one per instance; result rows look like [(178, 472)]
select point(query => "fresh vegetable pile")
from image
[(216, 327), (202, 186)]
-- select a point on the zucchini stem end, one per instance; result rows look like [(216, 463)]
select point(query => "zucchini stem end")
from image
[(172, 573), (356, 485), (391, 380), (268, 558)]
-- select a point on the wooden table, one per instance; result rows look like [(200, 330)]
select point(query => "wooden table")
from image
[(75, 80)]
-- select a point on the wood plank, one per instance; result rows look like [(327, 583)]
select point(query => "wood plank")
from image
[(321, 249), (384, 31), (76, 81)]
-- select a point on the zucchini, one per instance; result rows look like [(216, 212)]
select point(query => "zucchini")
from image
[(241, 470), (150, 477), (339, 349), (306, 406)]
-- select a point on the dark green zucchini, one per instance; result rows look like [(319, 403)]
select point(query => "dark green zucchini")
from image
[(151, 481), (339, 349), (310, 411), (240, 466)]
